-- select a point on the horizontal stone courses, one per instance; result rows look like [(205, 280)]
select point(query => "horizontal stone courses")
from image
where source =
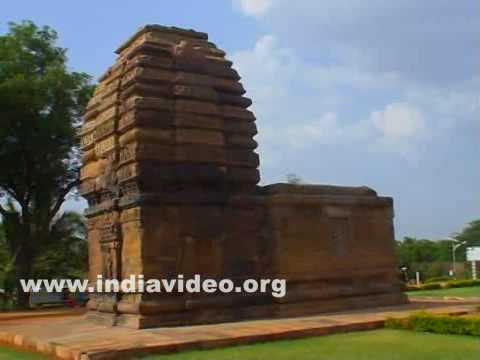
[(181, 105), (146, 118), (197, 121), (104, 129), (107, 114), (310, 189), (169, 113), (294, 296), (147, 136), (197, 107), (158, 50), (220, 69), (159, 138), (172, 136), (199, 136), (179, 48), (242, 157), (87, 127), (145, 89), (143, 103), (149, 74), (201, 93), (101, 114), (87, 141), (184, 173), (362, 273), (235, 100), (316, 200), (163, 56), (108, 89), (113, 74), (153, 124), (214, 67), (233, 112), (87, 186), (188, 152), (160, 31), (90, 170), (149, 60), (241, 141), (234, 126), (194, 92), (105, 146), (186, 198), (88, 156), (92, 108)]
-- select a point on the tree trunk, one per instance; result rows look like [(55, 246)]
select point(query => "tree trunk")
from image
[(23, 270)]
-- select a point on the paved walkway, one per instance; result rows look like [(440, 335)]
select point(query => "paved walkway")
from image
[(70, 337)]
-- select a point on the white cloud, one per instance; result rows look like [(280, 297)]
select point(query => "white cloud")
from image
[(301, 105), (400, 128), (265, 68), (399, 121), (255, 8), (326, 130), (425, 41)]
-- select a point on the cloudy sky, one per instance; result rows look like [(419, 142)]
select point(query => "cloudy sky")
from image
[(380, 93)]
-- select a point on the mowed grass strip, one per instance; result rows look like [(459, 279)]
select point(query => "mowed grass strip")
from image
[(369, 345), (465, 292), (8, 353)]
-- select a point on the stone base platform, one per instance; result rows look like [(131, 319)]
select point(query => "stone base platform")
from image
[(244, 312), (73, 338)]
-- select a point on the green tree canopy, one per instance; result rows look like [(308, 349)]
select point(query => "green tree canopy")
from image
[(470, 234), (41, 102)]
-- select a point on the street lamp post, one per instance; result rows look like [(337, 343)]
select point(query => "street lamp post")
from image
[(455, 245)]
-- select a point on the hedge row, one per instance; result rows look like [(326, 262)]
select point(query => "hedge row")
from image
[(439, 324), (438, 279), (444, 285)]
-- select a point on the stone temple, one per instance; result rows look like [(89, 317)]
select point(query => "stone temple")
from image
[(171, 177)]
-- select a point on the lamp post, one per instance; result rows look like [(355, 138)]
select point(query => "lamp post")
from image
[(455, 245)]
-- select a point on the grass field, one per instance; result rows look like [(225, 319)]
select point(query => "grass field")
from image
[(371, 345), (473, 291), (10, 354)]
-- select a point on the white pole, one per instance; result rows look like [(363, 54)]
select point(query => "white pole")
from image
[(454, 262), (418, 277), (474, 270)]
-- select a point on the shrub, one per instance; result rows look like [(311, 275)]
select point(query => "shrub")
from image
[(438, 279), (439, 324), (444, 285), (462, 283), (412, 288), (432, 286)]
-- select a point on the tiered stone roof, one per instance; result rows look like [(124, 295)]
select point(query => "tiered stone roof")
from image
[(168, 120)]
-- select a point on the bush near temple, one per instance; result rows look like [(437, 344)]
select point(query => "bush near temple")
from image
[(439, 324), (444, 285)]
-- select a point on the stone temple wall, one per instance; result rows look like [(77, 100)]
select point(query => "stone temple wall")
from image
[(170, 175)]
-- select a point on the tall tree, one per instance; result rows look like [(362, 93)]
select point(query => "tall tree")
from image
[(65, 255), (470, 233), (41, 102)]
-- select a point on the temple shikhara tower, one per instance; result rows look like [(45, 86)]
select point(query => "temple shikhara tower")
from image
[(171, 176)]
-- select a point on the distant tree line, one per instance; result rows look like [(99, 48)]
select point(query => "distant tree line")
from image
[(434, 258)]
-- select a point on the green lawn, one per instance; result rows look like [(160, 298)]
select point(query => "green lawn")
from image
[(10, 354), (370, 345), (473, 291)]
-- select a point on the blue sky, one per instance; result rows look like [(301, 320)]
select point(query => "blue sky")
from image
[(379, 93)]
